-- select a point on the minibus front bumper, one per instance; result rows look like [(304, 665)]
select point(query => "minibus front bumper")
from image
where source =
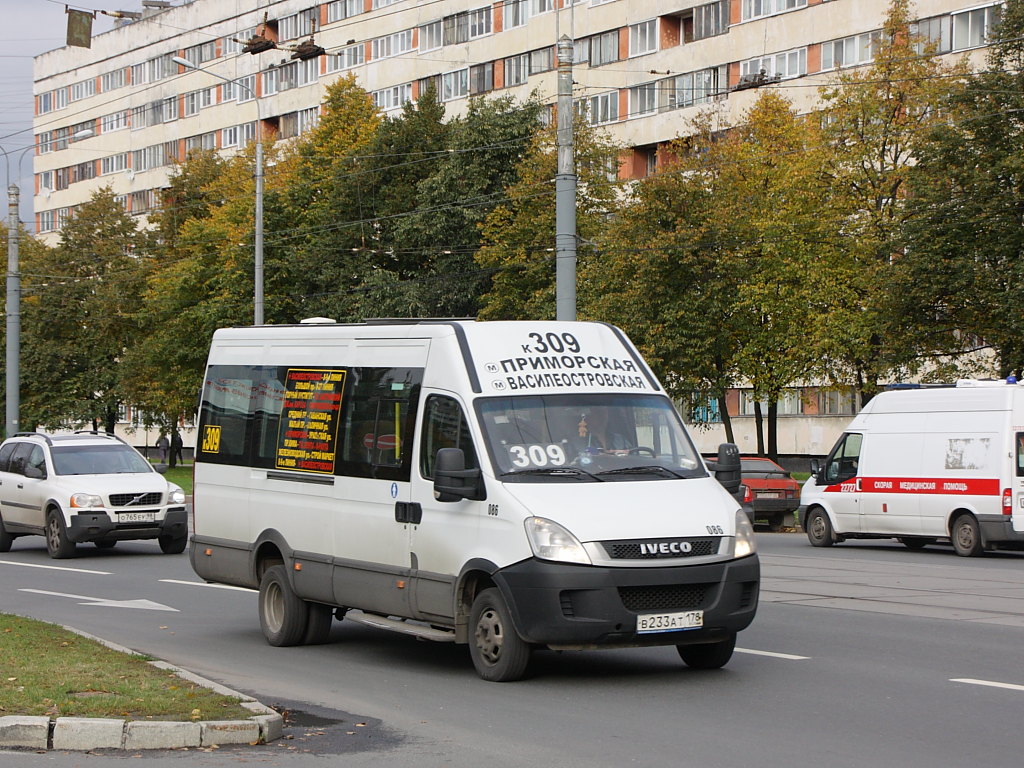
[(576, 606)]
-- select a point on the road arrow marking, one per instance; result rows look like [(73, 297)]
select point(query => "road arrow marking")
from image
[(773, 654), (145, 605), (205, 584), (989, 683)]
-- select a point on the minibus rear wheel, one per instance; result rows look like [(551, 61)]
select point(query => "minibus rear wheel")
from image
[(283, 615), (498, 653)]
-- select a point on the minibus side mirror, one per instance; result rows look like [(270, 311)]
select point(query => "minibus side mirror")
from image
[(815, 468), (727, 467), (452, 481)]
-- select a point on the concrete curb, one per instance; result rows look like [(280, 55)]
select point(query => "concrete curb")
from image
[(89, 733)]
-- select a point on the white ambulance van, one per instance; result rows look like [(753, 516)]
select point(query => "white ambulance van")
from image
[(508, 485), (922, 465)]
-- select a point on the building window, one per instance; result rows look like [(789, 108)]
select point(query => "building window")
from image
[(850, 51), (604, 48), (783, 65), (392, 98), (755, 9), (832, 402), (391, 45), (115, 121), (168, 109), (480, 22), (301, 24), (696, 87), (114, 163), (197, 100), (542, 60), (47, 221), (83, 89), (971, 28), (431, 36), (308, 71), (454, 85), (234, 43), (603, 108), (481, 78), (308, 118), (538, 7), (112, 80), (347, 58), (202, 53), (936, 31), (642, 99), (245, 88), (643, 37), (517, 69), (383, 3), (710, 20), (516, 12), (343, 9), (229, 136)]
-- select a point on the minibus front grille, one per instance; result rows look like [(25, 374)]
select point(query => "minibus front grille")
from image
[(658, 549), (673, 597)]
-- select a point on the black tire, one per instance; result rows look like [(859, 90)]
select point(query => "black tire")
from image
[(819, 529), (707, 655), (6, 540), (915, 542), (318, 624), (58, 544), (170, 545), (498, 653), (283, 615), (966, 536), (105, 543)]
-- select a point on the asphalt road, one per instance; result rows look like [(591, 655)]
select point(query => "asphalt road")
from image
[(864, 654)]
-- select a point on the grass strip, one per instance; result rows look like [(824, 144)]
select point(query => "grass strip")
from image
[(48, 670)]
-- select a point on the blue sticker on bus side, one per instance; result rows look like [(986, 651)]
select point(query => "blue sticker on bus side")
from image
[(394, 490)]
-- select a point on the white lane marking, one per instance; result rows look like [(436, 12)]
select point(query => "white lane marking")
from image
[(54, 568), (989, 683), (772, 654), (145, 605), (205, 584)]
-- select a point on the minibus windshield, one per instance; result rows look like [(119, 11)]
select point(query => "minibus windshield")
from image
[(587, 438)]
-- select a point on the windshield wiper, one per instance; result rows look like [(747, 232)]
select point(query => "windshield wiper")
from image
[(573, 472), (647, 469)]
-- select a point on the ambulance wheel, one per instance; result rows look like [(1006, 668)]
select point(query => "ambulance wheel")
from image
[(966, 536), (498, 653), (707, 655), (819, 529), (283, 615), (318, 625)]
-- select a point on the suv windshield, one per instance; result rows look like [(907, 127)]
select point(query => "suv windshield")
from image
[(97, 460), (588, 438)]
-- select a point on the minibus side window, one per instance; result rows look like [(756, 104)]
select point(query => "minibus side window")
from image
[(842, 463), (226, 413), (1020, 454), (444, 426)]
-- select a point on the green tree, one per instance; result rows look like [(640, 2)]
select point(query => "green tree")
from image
[(518, 236), (875, 119), (965, 239), (79, 317)]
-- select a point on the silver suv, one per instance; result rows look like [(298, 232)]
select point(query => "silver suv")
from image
[(85, 487)]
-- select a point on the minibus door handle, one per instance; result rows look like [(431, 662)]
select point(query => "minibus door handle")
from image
[(408, 512)]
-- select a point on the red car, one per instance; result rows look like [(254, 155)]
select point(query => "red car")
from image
[(775, 490)]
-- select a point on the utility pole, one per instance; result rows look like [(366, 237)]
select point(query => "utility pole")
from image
[(565, 191), (13, 399)]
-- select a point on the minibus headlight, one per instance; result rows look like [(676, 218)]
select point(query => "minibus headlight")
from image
[(745, 544), (550, 541), (86, 500)]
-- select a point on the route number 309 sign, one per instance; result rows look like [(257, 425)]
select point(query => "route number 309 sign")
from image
[(537, 455)]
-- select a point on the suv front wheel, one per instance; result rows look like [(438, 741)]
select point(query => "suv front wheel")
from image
[(58, 544)]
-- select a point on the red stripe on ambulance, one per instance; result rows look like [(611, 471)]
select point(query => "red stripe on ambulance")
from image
[(978, 486)]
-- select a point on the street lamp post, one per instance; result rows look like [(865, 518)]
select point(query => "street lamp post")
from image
[(258, 250)]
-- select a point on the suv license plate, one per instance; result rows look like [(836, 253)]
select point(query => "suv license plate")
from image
[(136, 517), (669, 622)]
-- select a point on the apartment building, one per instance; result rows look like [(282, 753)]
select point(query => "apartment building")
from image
[(123, 112)]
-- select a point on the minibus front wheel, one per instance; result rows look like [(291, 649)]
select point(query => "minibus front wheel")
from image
[(498, 653)]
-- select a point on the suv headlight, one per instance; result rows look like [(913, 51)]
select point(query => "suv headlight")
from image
[(86, 500), (745, 543), (550, 541), (176, 496)]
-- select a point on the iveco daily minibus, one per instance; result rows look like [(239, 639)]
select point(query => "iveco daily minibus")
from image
[(506, 485)]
